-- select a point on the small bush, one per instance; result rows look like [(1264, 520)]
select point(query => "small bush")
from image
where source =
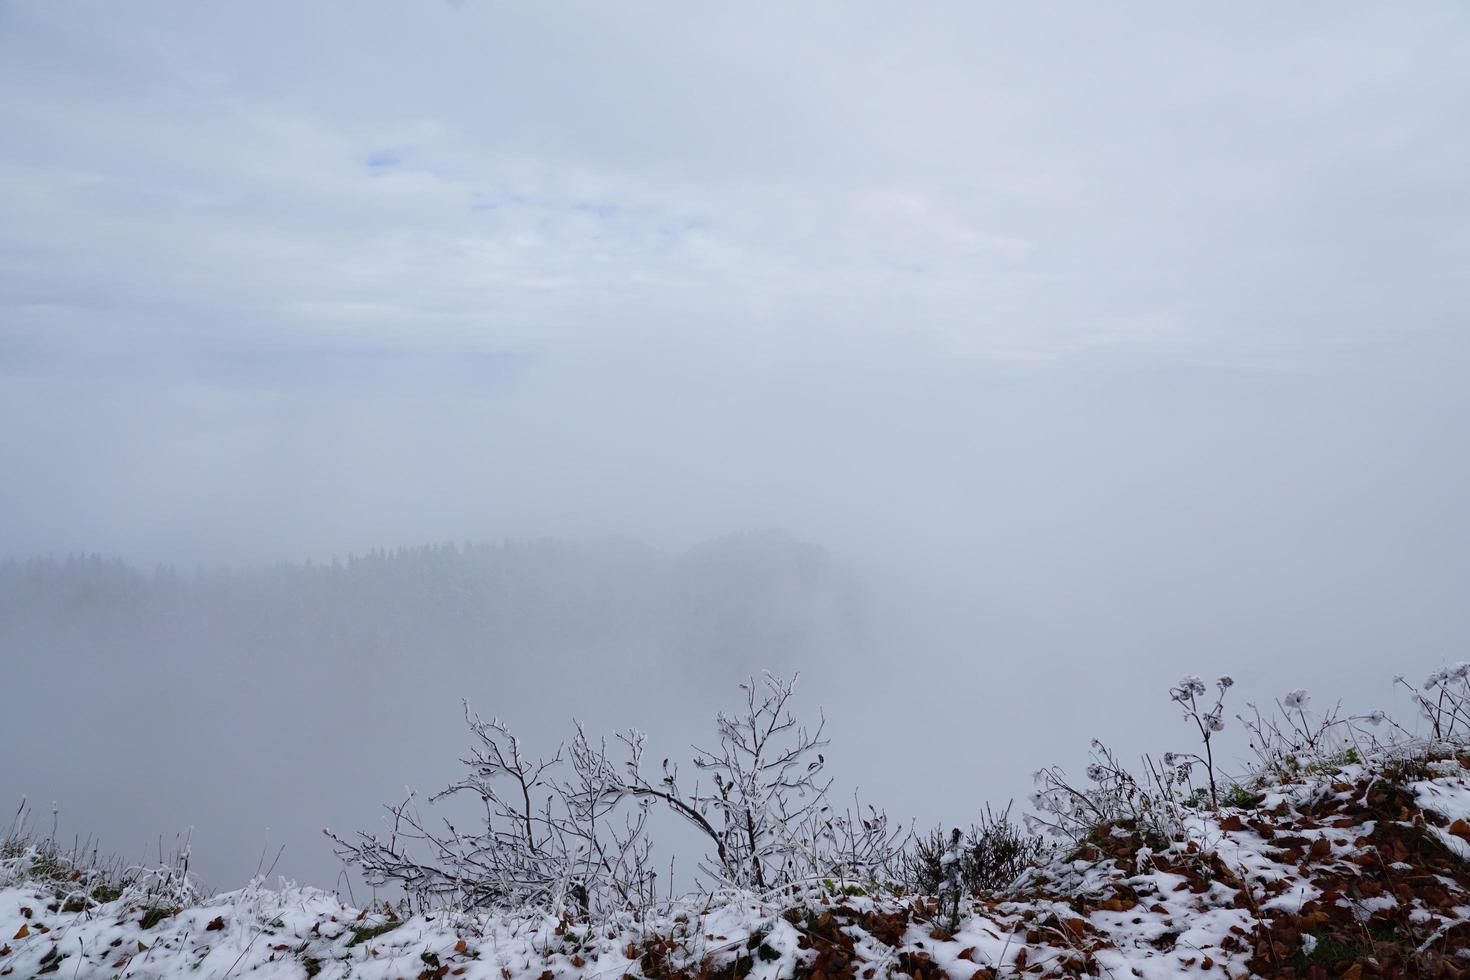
[(994, 853)]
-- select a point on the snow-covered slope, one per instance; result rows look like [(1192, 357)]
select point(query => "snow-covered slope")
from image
[(1359, 872)]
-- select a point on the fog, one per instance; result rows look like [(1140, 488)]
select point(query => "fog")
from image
[(991, 365)]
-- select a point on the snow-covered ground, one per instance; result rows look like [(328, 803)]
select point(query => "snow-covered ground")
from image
[(1280, 888)]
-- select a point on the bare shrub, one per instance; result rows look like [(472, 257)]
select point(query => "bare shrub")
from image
[(1294, 740), (569, 832), (988, 857), (1155, 803), (1443, 701), (545, 840), (765, 782)]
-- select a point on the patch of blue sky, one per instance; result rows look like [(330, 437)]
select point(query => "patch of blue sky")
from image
[(676, 231), (383, 161)]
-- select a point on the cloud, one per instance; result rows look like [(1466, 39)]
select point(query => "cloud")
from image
[(1106, 347), (612, 180), (717, 247)]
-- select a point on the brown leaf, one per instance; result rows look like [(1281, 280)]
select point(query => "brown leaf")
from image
[(22, 932), (26, 911), (461, 946), (968, 953), (215, 924)]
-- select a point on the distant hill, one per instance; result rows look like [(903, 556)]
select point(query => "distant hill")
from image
[(241, 674), (763, 596)]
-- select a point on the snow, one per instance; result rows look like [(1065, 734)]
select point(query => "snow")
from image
[(1448, 796), (1181, 909)]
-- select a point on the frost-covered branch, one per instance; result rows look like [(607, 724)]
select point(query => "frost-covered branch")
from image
[(569, 832)]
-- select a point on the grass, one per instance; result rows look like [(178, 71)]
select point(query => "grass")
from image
[(362, 934), (1240, 798), (1331, 949), (79, 881), (153, 916)]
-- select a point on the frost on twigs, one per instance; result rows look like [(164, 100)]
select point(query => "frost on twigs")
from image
[(81, 879), (1153, 803), (986, 859), (548, 836), (1208, 720), (569, 832), (1443, 701), (1296, 739), (1289, 742), (1357, 865)]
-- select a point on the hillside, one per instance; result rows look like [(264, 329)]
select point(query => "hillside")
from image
[(1355, 866)]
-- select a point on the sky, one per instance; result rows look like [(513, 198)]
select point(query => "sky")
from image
[(1107, 342)]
